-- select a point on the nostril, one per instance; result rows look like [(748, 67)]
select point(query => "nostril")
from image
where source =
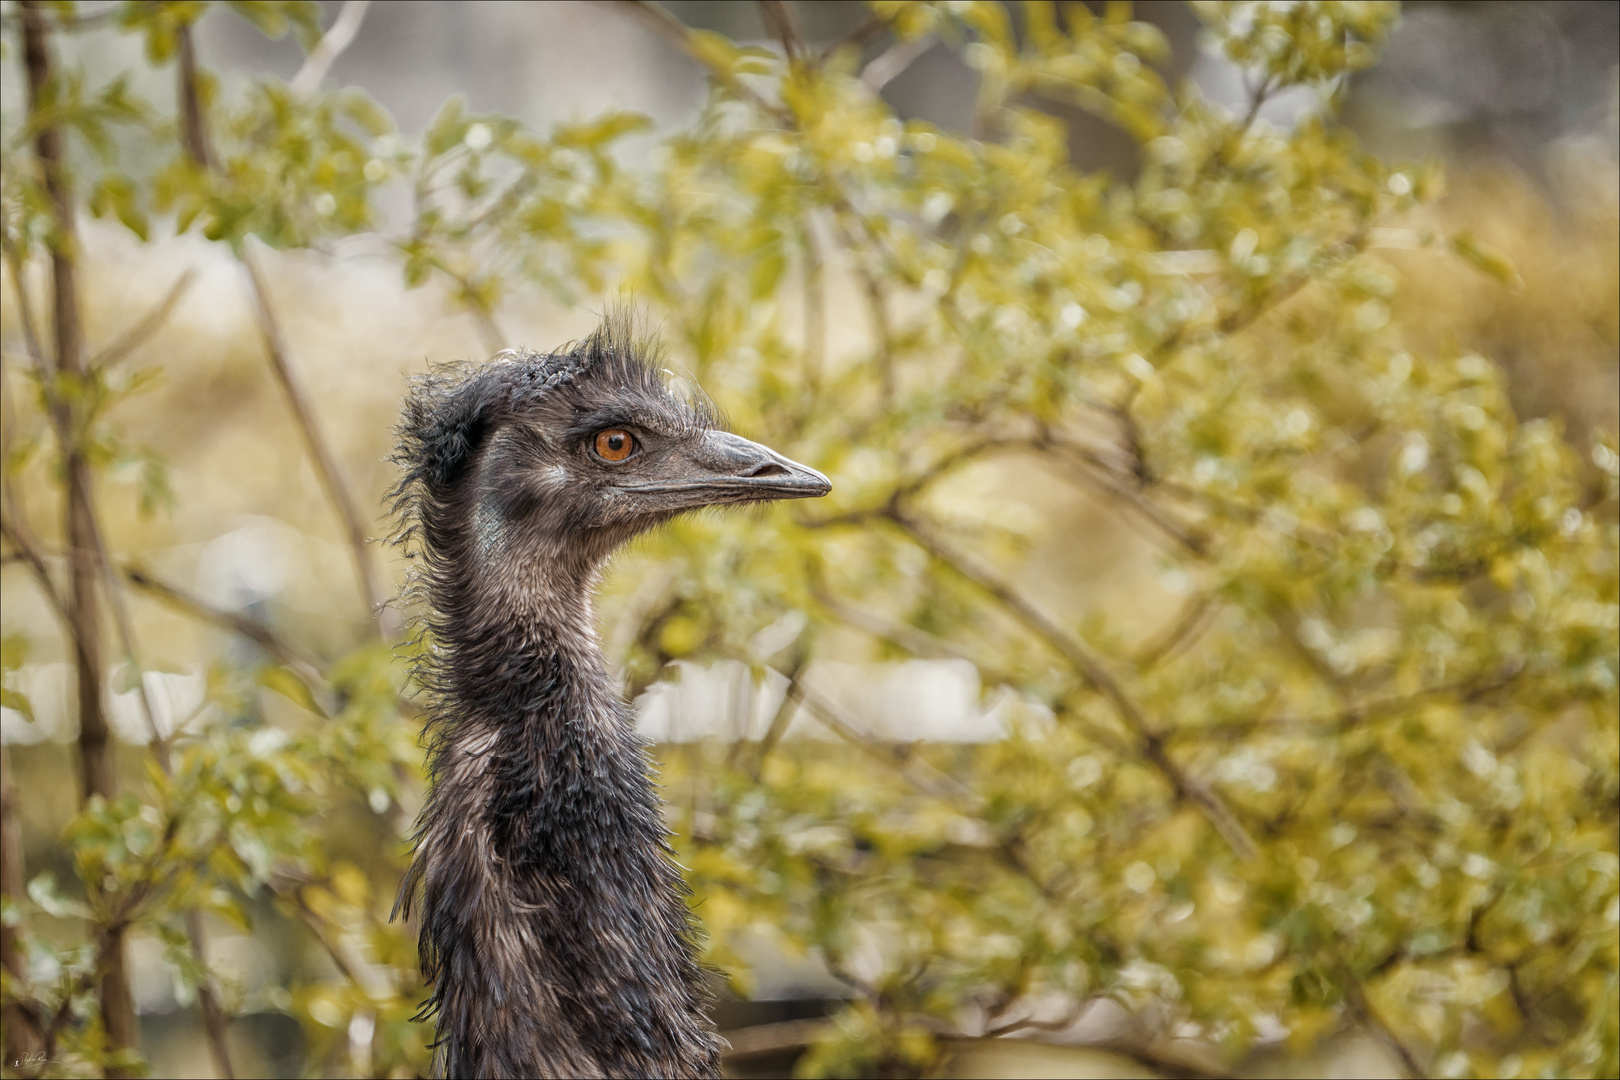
[(766, 468)]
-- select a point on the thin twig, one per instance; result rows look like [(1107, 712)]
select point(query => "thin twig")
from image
[(1384, 1033), (25, 310), (115, 601), (655, 18), (773, 1038), (779, 19), (383, 621), (815, 312), (1338, 723), (285, 653), (215, 1020), (14, 534), (893, 61), (332, 44), (1091, 668), (193, 124), (780, 720), (877, 305), (325, 463), (1256, 100), (917, 772), (1192, 617), (857, 37), (137, 335), (1100, 476)]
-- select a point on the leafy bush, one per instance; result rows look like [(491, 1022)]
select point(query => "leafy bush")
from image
[(1347, 759)]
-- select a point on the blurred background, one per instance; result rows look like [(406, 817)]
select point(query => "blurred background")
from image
[(233, 606)]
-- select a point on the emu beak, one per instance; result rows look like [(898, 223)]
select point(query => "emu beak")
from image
[(726, 468)]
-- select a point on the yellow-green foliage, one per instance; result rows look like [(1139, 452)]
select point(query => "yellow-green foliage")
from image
[(1352, 763)]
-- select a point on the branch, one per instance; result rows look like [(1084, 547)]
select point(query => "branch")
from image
[(859, 36), (19, 539), (193, 125), (908, 637), (25, 311), (877, 304), (275, 344), (1097, 472), (892, 62), (213, 1016), (332, 45), (294, 895), (23, 1037), (771, 1038), (917, 772), (325, 464), (1357, 995), (815, 314), (1173, 636), (286, 654), (1091, 668), (779, 722), (779, 19), (1256, 100), (1338, 723), (115, 600), (137, 335), (655, 18)]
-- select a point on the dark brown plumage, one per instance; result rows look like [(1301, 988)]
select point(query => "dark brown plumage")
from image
[(553, 925)]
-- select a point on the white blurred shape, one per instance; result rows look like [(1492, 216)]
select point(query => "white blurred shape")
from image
[(251, 562), (926, 700), (177, 699)]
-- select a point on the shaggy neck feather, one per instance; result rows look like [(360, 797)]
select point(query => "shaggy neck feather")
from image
[(554, 917)]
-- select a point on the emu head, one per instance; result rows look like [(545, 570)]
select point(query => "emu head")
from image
[(550, 462)]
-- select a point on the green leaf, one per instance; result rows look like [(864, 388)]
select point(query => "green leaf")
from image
[(289, 686)]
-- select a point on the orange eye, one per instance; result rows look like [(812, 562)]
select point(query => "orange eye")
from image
[(615, 444)]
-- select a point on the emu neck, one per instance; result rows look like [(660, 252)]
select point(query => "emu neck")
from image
[(560, 939)]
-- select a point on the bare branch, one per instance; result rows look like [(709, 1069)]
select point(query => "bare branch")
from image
[(780, 20), (779, 722), (137, 335), (1191, 619), (193, 125), (24, 1036), (213, 1015), (285, 653), (325, 463), (332, 45), (772, 1038), (917, 772), (25, 310), (384, 622), (1091, 668), (859, 36), (19, 539), (115, 601), (893, 61), (1359, 1002), (655, 18), (1097, 472)]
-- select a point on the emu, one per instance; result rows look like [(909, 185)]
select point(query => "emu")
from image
[(553, 927)]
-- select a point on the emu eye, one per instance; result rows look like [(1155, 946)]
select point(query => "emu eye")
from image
[(614, 444)]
